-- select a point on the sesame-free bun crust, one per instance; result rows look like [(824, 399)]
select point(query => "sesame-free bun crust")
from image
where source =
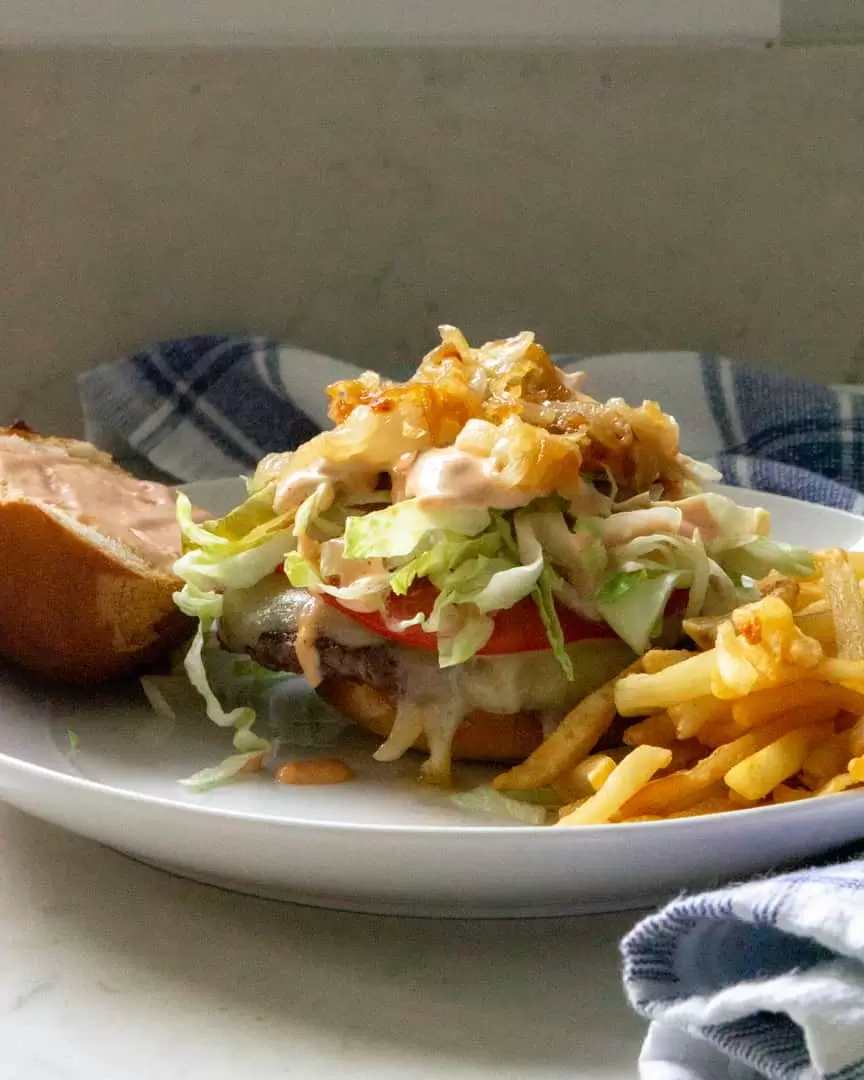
[(75, 605), (482, 736)]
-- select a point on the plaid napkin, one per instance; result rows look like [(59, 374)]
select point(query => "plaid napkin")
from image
[(760, 980), (764, 979), (207, 407)]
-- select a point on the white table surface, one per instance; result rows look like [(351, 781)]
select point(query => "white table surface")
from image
[(109, 969)]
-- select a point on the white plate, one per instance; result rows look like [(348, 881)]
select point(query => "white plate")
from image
[(381, 844)]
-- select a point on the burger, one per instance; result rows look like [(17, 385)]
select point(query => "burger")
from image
[(464, 556)]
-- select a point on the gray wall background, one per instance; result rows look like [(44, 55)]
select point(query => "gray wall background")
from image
[(350, 199)]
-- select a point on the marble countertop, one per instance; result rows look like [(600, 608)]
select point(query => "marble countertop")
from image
[(112, 969)]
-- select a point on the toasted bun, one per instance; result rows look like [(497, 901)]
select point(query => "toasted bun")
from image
[(75, 604), (482, 736)]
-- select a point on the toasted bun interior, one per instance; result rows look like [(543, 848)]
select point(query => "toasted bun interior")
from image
[(482, 736)]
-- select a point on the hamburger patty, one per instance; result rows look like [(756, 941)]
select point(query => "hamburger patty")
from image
[(264, 621), (373, 665)]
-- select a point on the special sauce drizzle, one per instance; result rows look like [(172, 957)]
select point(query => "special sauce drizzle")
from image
[(308, 625), (136, 513)]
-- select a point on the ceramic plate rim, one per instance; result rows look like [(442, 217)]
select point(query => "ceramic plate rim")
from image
[(94, 786)]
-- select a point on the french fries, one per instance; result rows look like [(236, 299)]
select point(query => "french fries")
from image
[(702, 629), (837, 784), (757, 776), (816, 622), (828, 758), (844, 598), (587, 777), (786, 793), (676, 791), (770, 710), (624, 781), (637, 693), (765, 704), (659, 730), (855, 736), (716, 804), (784, 588), (571, 742), (659, 659), (691, 716), (720, 732)]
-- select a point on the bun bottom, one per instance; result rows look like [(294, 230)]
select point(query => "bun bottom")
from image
[(482, 736)]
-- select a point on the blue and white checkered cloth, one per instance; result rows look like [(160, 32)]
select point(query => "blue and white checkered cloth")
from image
[(765, 979)]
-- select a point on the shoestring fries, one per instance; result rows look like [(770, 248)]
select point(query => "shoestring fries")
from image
[(766, 707)]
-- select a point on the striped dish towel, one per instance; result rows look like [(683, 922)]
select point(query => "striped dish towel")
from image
[(764, 979), (209, 406)]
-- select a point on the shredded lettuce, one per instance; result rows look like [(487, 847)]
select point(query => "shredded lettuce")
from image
[(369, 591), (242, 717), (544, 596), (230, 678), (508, 585), (593, 556), (199, 603), (633, 603), (257, 511), (245, 527), (448, 554), (217, 775), (462, 632), (760, 555), (166, 693), (504, 530), (479, 585), (246, 742), (401, 528), (239, 569), (474, 576), (619, 585), (261, 677), (486, 800), (723, 523), (657, 549), (193, 534), (310, 510), (469, 583)]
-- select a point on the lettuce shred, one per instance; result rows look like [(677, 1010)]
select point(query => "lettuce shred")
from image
[(486, 800)]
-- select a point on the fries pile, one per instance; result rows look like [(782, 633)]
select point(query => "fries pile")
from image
[(770, 711)]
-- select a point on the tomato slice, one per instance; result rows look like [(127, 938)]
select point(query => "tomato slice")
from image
[(518, 629)]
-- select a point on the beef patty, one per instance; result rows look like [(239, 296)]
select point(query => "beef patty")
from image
[(373, 665), (263, 622)]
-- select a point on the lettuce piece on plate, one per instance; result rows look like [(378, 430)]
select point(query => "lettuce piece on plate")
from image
[(486, 800)]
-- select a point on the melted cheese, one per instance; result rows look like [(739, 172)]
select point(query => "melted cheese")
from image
[(432, 701), (272, 606), (435, 701)]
